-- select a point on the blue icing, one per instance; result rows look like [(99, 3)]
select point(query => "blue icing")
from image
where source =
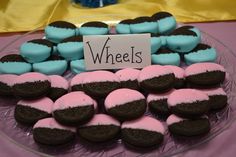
[(93, 31), (56, 35), (77, 31), (207, 55), (77, 66), (54, 51), (17, 68), (166, 59), (71, 50), (197, 31), (55, 67), (166, 25), (163, 40), (145, 27), (123, 28), (182, 43), (33, 52), (155, 44)]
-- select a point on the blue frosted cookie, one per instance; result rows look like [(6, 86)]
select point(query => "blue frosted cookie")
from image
[(71, 48), (166, 22), (124, 27), (77, 66), (156, 43), (201, 53), (36, 50), (55, 65), (183, 39), (144, 24), (94, 28), (166, 57), (14, 64), (59, 30)]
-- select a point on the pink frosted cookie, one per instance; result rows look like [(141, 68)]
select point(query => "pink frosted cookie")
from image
[(31, 85), (100, 128), (156, 78), (218, 98), (100, 83), (205, 75), (74, 109), (49, 132), (6, 83), (59, 87), (125, 104), (157, 104), (30, 111), (129, 78), (189, 103), (188, 127), (179, 76), (76, 82), (143, 132)]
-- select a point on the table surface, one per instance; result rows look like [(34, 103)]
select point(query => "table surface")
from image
[(222, 145)]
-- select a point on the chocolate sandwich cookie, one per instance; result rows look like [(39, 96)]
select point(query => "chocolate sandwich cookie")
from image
[(205, 75), (143, 132), (74, 109), (166, 57), (125, 104), (179, 76), (218, 98), (128, 78), (94, 28), (47, 131), (166, 22), (100, 83), (144, 24), (156, 43), (29, 112), (183, 39), (156, 79), (77, 66), (31, 85), (60, 30), (100, 128), (54, 65), (59, 87), (14, 64), (76, 82), (36, 50), (6, 83), (157, 104), (201, 53), (71, 48), (188, 127), (123, 27), (188, 103)]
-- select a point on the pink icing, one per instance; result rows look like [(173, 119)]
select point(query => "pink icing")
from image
[(59, 82), (203, 67), (145, 123), (102, 119), (122, 96), (174, 119), (31, 77), (78, 79), (186, 96), (179, 72), (44, 104), (73, 99), (215, 91), (155, 97), (8, 79), (52, 124), (100, 76), (152, 71), (128, 74)]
